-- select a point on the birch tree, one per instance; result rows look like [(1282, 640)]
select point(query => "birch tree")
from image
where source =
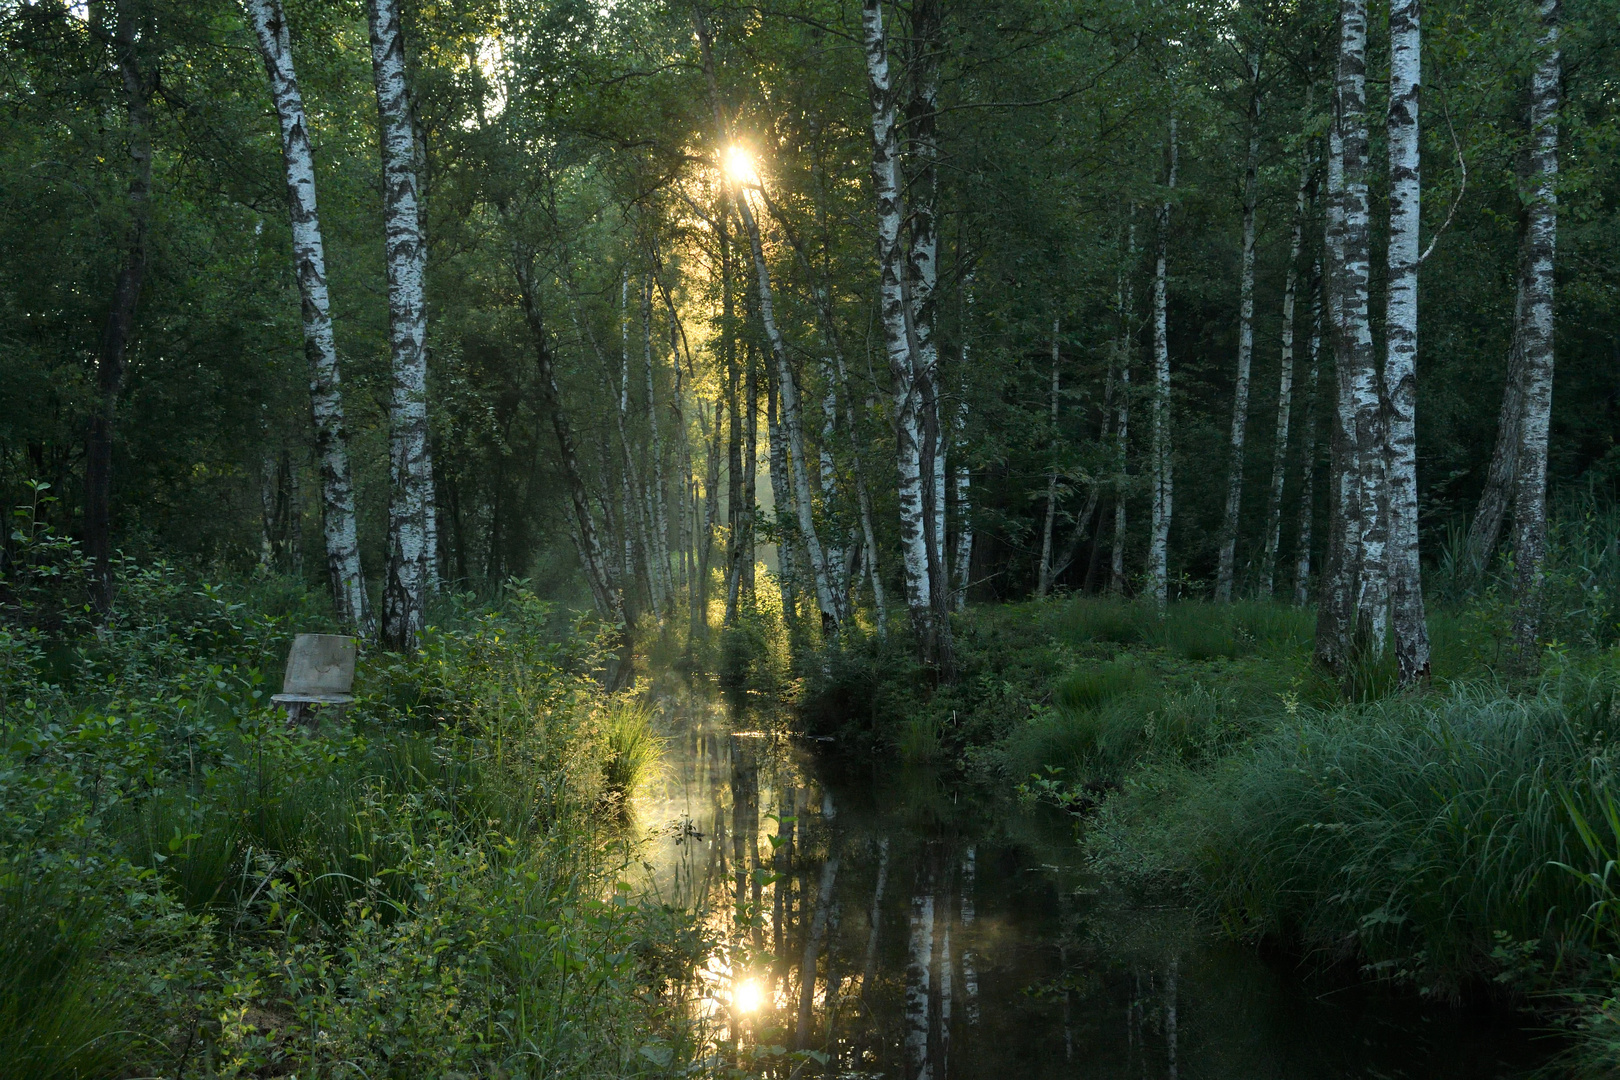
[(410, 493), (1530, 487), (892, 304), (1355, 547), (1240, 393), (1285, 388), (793, 423), (270, 31), (1163, 475), (1401, 330)]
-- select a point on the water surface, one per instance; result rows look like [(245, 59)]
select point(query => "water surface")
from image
[(909, 928)]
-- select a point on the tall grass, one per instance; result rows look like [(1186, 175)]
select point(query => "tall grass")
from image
[(1408, 834)]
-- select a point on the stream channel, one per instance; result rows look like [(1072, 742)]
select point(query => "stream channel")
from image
[(915, 929)]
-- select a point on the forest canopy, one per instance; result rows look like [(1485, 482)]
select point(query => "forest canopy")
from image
[(917, 303)]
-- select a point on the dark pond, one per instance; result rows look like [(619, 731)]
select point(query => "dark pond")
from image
[(907, 928)]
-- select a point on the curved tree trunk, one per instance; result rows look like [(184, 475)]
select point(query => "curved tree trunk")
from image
[(309, 259), (410, 492)]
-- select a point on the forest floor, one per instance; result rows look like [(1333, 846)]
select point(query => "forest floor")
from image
[(1457, 840)]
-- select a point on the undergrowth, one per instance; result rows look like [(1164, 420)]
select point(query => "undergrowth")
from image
[(423, 886)]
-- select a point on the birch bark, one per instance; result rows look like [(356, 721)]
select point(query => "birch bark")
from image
[(1401, 338), (1163, 474), (837, 567), (338, 527), (1353, 522), (1285, 388), (1355, 350), (1530, 487), (1043, 584), (1226, 568), (908, 450), (782, 503), (410, 494), (962, 476)]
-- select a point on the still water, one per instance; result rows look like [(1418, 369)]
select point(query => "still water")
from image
[(908, 928)]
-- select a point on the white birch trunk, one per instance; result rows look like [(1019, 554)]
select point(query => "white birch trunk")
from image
[(1285, 388), (1347, 261), (1355, 352), (309, 259), (970, 969), (886, 189), (793, 421), (1163, 474), (406, 255), (1043, 583), (1226, 568), (919, 1066), (962, 495), (1530, 488), (638, 489), (1307, 487), (1401, 338)]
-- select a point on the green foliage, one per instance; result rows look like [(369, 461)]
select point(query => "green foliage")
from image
[(414, 888), (1404, 834)]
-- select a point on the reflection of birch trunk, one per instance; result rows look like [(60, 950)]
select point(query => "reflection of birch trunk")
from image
[(1170, 1019), (869, 968), (744, 820), (970, 971), (918, 986), (946, 992), (782, 864), (812, 947)]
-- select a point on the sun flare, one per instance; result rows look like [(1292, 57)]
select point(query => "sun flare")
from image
[(748, 996), (739, 165)]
